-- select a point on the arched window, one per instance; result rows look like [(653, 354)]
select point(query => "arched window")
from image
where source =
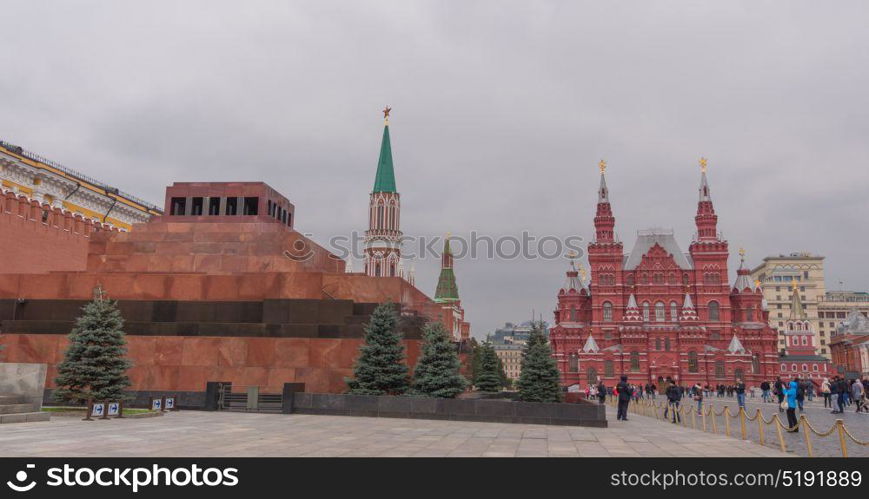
[(667, 344), (674, 311), (714, 311), (749, 315), (660, 313), (635, 361), (805, 340), (573, 363), (685, 279), (814, 367), (658, 344), (794, 367), (719, 368), (646, 311), (805, 367), (609, 369), (607, 311), (755, 364), (739, 374), (591, 376), (693, 366), (630, 280), (658, 278), (572, 314), (380, 215)]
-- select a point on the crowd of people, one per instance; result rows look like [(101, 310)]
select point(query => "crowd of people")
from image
[(790, 395)]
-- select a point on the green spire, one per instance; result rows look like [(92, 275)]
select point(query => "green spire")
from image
[(385, 179), (447, 291)]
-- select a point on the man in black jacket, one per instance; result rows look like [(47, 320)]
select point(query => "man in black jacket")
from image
[(601, 392), (674, 397), (624, 398)]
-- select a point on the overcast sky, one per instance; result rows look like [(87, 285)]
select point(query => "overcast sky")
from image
[(501, 111)]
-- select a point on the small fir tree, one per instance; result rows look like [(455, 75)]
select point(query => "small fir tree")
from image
[(437, 371), (539, 380), (95, 364), (476, 353), (380, 369), (489, 376)]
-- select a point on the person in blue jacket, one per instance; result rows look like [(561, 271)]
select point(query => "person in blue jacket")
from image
[(791, 393)]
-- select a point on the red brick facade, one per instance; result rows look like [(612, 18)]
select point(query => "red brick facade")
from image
[(39, 238), (658, 312)]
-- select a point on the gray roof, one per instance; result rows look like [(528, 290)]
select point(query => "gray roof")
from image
[(663, 237)]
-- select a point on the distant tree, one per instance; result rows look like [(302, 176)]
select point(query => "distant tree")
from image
[(95, 364), (476, 353), (539, 380), (437, 371), (505, 381), (489, 375), (381, 368)]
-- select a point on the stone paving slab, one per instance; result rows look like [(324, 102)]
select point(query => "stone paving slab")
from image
[(207, 434)]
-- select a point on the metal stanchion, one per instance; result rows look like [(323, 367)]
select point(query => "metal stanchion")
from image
[(726, 413), (806, 434), (840, 425), (760, 425), (742, 423), (781, 438)]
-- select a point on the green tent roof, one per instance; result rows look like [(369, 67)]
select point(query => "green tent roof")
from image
[(385, 179), (447, 291)]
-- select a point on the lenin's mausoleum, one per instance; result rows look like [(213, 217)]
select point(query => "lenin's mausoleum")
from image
[(219, 287)]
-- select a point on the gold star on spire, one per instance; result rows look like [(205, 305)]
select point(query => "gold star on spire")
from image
[(602, 166), (703, 164), (795, 285), (581, 273), (757, 283)]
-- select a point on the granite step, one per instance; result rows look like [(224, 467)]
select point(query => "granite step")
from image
[(25, 417), (6, 398), (17, 408)]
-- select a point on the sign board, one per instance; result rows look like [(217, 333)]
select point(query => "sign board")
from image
[(114, 408), (156, 404), (98, 410), (169, 403)]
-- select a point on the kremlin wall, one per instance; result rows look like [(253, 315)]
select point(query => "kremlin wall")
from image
[(219, 287)]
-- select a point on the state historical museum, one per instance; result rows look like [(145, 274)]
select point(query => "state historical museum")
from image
[(657, 312)]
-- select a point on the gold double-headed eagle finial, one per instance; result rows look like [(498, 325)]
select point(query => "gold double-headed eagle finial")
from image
[(386, 111), (602, 166), (703, 164), (757, 283)]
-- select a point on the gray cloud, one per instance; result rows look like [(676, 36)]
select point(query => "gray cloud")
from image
[(501, 112)]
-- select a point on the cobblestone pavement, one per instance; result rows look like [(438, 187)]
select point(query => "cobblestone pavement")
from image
[(204, 434), (819, 417)]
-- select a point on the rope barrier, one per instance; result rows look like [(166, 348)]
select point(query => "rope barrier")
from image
[(677, 414)]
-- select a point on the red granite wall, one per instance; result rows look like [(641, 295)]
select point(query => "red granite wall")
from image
[(187, 363)]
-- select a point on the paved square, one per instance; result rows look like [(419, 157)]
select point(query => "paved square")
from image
[(212, 434)]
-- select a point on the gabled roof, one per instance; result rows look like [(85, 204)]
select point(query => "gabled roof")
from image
[(735, 346), (646, 239), (590, 345)]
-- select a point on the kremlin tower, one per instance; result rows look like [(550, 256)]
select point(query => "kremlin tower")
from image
[(447, 296), (383, 237)]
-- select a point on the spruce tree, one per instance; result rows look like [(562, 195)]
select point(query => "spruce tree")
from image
[(539, 380), (489, 377), (437, 371), (476, 354), (95, 365), (380, 368)]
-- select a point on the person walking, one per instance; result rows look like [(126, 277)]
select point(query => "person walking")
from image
[(801, 392), (601, 393), (740, 393), (857, 394), (791, 393), (764, 388), (825, 391), (674, 396), (624, 391), (779, 392), (698, 397)]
